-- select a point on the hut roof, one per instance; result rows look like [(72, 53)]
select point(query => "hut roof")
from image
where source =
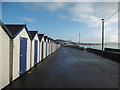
[(40, 36), (45, 38), (33, 33), (15, 29)]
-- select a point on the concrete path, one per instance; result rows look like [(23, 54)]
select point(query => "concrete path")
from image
[(70, 68)]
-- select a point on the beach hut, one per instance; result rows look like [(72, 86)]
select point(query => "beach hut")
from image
[(35, 48), (41, 46), (55, 45), (5, 36), (45, 46), (48, 46), (19, 50), (52, 45)]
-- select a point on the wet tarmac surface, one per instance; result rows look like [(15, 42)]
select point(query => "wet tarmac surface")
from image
[(70, 68)]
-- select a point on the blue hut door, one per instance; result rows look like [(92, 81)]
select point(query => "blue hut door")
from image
[(23, 52), (35, 51), (42, 49)]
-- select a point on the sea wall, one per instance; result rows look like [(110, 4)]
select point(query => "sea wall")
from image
[(112, 54), (112, 50)]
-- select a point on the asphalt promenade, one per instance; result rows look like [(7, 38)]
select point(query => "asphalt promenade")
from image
[(70, 68)]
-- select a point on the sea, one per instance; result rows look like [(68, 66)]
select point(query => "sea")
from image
[(99, 47)]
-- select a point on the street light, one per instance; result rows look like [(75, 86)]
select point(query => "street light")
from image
[(79, 38), (103, 20)]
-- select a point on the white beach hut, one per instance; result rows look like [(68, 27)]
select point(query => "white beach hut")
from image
[(45, 46), (35, 48), (19, 50), (55, 45), (48, 52), (5, 36), (41, 46), (52, 45)]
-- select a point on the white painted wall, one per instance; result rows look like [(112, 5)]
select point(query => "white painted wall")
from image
[(4, 58), (40, 53), (33, 41), (0, 57), (44, 56), (48, 49), (54, 47), (50, 46), (16, 53), (40, 45)]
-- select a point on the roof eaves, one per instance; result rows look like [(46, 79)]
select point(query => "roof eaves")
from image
[(6, 29), (28, 33)]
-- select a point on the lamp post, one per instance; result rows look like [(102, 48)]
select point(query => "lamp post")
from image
[(102, 35), (79, 38)]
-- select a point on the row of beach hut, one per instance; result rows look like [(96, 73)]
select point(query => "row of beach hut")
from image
[(21, 50)]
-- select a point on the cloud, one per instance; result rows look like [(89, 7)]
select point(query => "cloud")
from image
[(85, 12), (82, 7), (110, 34), (105, 9), (44, 6), (92, 13), (90, 20), (27, 19), (113, 19), (60, 0), (55, 6)]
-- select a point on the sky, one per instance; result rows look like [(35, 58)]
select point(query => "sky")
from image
[(65, 20)]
